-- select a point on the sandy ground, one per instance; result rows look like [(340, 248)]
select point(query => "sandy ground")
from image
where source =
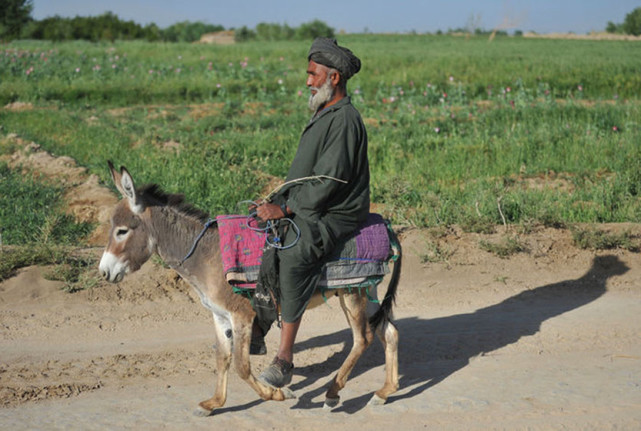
[(547, 339)]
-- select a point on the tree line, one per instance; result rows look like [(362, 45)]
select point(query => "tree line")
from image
[(16, 23)]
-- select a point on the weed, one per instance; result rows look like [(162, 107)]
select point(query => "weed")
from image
[(434, 252), (508, 246), (599, 239)]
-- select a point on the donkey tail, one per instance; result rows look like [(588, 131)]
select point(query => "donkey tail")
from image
[(384, 313)]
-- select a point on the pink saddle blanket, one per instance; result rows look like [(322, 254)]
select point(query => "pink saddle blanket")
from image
[(363, 255)]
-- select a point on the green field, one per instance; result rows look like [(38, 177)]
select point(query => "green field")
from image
[(461, 131)]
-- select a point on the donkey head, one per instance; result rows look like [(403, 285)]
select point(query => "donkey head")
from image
[(130, 244)]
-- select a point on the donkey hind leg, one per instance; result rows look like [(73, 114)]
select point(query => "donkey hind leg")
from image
[(354, 306), (222, 352), (388, 334)]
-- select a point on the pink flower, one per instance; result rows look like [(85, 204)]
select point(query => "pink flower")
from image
[(508, 89), (615, 129), (218, 85), (300, 93), (580, 88), (437, 129)]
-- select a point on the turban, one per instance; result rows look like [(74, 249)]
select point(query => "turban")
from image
[(326, 51)]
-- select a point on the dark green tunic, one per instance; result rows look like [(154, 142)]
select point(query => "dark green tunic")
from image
[(334, 144)]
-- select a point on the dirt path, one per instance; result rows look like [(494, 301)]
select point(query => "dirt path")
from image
[(545, 342), (547, 339)]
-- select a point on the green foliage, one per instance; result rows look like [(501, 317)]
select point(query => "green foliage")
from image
[(14, 15), (102, 27), (77, 272), (530, 131), (65, 263), (186, 31), (506, 247), (599, 239), (632, 22), (30, 211), (311, 30), (614, 28)]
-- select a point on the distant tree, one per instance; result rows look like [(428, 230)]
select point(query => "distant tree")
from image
[(314, 29), (632, 22), (186, 31), (152, 33), (244, 34), (14, 16), (614, 28)]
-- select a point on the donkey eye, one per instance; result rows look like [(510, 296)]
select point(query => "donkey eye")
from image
[(120, 232)]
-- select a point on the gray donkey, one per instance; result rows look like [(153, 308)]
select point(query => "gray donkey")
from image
[(148, 221)]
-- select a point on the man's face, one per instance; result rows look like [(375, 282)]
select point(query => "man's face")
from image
[(320, 85)]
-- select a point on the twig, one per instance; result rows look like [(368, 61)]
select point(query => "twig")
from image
[(498, 203), (300, 180)]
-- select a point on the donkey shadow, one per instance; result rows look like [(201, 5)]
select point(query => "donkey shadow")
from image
[(437, 348)]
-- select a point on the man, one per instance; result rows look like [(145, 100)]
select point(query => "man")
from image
[(333, 145)]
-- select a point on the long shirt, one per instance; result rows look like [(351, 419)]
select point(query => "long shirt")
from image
[(334, 143)]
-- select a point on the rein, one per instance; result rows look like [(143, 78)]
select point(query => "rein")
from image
[(208, 224)]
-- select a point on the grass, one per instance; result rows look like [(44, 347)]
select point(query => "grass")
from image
[(35, 231), (548, 128), (506, 247), (599, 239), (31, 211), (66, 265)]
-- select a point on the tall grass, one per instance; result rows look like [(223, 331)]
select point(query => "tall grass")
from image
[(461, 130)]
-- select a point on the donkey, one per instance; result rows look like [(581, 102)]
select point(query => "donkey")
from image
[(148, 221)]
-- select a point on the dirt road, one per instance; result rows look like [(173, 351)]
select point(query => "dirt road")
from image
[(547, 339)]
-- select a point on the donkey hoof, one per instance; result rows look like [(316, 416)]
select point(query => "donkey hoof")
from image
[(330, 403), (288, 393), (202, 412), (376, 401)]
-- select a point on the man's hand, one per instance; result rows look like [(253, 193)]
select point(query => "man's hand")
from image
[(269, 211)]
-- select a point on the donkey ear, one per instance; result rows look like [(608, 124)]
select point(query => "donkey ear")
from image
[(115, 175), (125, 185), (128, 190)]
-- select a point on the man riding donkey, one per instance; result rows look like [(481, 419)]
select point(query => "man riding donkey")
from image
[(333, 147)]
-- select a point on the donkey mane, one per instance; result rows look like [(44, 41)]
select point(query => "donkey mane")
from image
[(153, 195)]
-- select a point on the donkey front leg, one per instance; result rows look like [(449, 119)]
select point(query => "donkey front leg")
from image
[(222, 352), (242, 340)]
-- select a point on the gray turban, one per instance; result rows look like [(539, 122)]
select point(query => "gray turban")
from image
[(326, 51)]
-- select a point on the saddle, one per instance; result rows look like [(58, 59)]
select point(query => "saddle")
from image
[(360, 259)]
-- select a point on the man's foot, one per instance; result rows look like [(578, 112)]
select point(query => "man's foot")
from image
[(278, 374)]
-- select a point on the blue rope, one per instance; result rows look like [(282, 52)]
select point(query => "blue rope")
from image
[(209, 223), (271, 226)]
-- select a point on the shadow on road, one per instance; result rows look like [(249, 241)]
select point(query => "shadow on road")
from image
[(431, 350)]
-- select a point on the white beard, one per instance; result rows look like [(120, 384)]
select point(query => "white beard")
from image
[(323, 95)]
